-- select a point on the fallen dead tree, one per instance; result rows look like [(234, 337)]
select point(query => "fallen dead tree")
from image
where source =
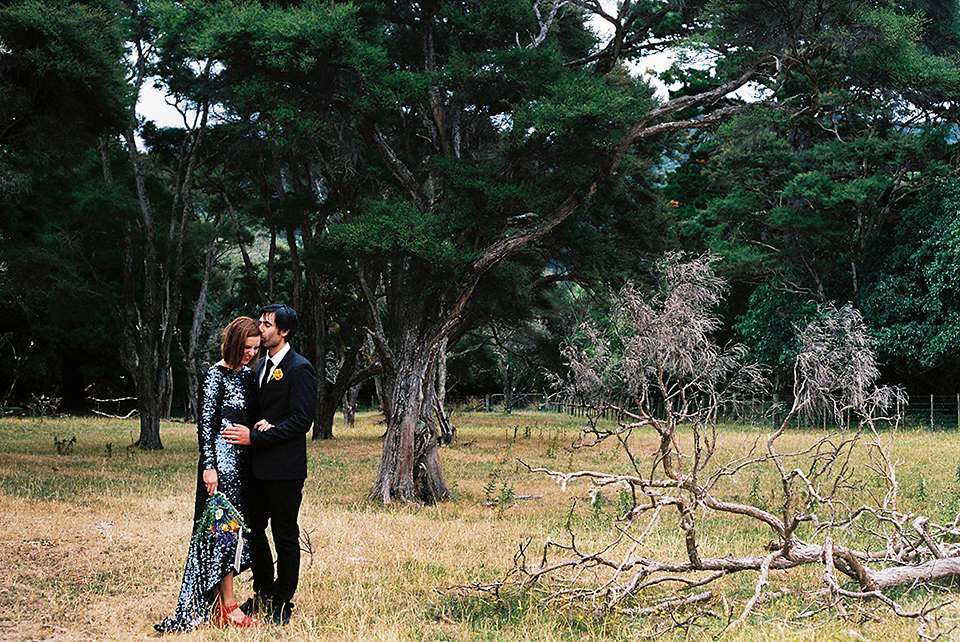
[(670, 378)]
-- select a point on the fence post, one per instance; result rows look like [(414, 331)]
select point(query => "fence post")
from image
[(931, 412)]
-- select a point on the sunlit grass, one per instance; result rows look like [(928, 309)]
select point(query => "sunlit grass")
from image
[(93, 537)]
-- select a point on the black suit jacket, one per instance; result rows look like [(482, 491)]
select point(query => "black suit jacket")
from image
[(287, 402)]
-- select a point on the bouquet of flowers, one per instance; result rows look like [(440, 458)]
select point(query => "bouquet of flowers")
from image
[(222, 526)]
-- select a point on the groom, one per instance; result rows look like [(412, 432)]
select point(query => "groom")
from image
[(278, 461)]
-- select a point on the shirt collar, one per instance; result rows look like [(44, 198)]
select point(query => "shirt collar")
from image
[(277, 358)]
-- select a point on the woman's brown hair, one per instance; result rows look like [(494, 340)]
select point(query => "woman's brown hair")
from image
[(235, 337)]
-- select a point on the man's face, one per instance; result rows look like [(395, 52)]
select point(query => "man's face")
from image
[(270, 336)]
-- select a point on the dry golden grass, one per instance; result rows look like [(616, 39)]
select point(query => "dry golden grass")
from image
[(93, 539)]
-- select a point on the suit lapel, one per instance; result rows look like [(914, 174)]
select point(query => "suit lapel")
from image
[(279, 366), (286, 358)]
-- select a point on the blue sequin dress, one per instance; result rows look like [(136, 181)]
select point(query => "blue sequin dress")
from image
[(227, 397)]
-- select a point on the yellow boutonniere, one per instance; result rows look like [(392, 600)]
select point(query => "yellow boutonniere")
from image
[(277, 374)]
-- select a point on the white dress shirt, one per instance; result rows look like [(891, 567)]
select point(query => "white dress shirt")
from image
[(273, 362)]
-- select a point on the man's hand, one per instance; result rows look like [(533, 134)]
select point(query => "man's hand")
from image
[(237, 435)]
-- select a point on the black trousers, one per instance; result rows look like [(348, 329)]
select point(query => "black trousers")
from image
[(276, 502)]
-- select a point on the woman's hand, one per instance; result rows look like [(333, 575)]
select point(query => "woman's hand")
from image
[(210, 480), (262, 425)]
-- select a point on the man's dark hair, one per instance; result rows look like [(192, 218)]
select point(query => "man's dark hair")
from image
[(284, 317)]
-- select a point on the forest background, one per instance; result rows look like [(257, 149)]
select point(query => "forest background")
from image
[(446, 189)]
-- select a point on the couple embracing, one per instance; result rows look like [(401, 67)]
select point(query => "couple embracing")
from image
[(252, 426)]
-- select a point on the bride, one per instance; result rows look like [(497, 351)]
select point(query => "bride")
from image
[(217, 548)]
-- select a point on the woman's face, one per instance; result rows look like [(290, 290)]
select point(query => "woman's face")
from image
[(250, 349)]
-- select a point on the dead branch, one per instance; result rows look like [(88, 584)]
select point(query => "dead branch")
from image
[(671, 604), (761, 582), (96, 405), (676, 376), (306, 545)]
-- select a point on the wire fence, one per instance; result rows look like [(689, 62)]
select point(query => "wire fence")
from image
[(926, 412)]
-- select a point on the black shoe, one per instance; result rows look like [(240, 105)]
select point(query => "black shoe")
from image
[(247, 608), (256, 606), (281, 613)]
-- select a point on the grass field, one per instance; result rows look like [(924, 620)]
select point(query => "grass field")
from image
[(93, 536)]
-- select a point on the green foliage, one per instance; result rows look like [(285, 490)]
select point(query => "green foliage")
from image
[(397, 228), (815, 198), (911, 293), (582, 111), (56, 320), (499, 492), (769, 327), (61, 84), (281, 66), (61, 65), (799, 201)]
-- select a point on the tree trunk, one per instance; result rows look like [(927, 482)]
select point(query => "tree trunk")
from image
[(323, 419), (350, 374), (315, 311), (149, 424), (14, 372), (410, 465), (329, 393), (193, 341), (350, 398), (249, 267), (382, 401), (166, 396), (507, 390), (149, 385)]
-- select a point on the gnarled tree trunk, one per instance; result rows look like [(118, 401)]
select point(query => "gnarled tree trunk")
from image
[(410, 466)]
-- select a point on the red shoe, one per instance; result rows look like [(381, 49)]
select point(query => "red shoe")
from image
[(231, 616)]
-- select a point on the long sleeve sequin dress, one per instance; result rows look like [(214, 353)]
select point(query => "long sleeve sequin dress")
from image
[(227, 397)]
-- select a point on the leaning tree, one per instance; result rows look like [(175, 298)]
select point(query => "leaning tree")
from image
[(499, 126), (493, 127)]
